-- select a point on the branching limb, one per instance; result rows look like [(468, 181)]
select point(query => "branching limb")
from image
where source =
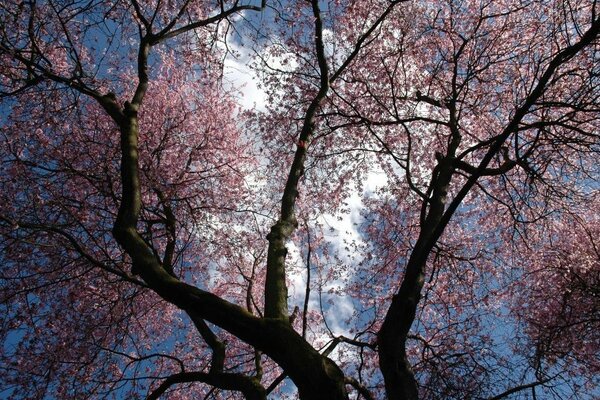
[(75, 245), (275, 285), (249, 386), (168, 32), (170, 223), (307, 290), (361, 389), (399, 378), (519, 388), (217, 346)]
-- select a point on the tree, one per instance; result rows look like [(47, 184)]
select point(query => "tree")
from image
[(158, 240)]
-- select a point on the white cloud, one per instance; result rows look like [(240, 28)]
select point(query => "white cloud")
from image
[(240, 77)]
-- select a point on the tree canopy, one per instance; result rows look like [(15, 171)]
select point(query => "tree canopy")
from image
[(316, 199)]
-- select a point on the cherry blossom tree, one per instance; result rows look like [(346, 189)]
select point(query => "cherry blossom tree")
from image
[(412, 214)]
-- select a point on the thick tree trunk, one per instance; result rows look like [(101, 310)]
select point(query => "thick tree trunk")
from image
[(400, 383), (316, 376)]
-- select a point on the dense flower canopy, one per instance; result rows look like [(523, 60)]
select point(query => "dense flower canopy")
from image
[(400, 202)]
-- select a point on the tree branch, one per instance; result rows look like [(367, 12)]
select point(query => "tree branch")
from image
[(518, 389), (250, 387), (275, 286)]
